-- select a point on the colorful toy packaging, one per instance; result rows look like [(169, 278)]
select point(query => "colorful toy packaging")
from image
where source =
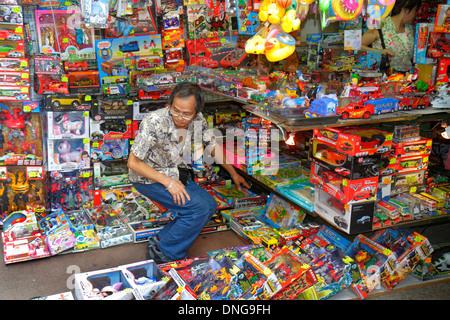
[(410, 247), (435, 266)]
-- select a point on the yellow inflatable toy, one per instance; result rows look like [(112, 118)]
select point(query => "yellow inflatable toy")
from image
[(290, 21), (279, 45), (255, 45), (270, 11)]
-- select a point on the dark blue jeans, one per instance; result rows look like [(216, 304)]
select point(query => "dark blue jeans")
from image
[(178, 236)]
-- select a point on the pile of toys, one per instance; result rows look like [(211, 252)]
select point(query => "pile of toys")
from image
[(314, 263)]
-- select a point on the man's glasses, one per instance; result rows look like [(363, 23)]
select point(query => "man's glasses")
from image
[(180, 114)]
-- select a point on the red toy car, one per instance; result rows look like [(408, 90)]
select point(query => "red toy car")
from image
[(333, 156), (47, 84), (356, 111)]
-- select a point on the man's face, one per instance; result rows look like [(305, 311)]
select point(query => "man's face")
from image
[(181, 110)]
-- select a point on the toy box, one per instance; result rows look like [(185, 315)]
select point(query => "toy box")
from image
[(435, 266), (405, 133), (106, 284), (263, 281), (355, 141), (21, 186), (438, 45), (141, 108), (175, 288), (68, 125), (14, 64), (64, 32), (412, 148), (112, 108), (350, 167), (420, 43), (86, 82), (409, 182), (15, 78), (111, 195), (346, 190), (115, 86), (50, 84), (443, 71), (66, 154), (110, 129), (293, 274), (228, 214), (145, 277), (188, 269), (410, 247), (239, 199), (134, 206), (70, 189), (279, 213), (67, 103), (86, 237), (351, 218), (143, 230), (60, 239), (374, 262), (48, 65), (300, 193), (109, 174), (244, 223), (115, 57), (23, 248), (277, 175), (113, 149), (412, 163), (442, 23), (11, 14), (22, 136)]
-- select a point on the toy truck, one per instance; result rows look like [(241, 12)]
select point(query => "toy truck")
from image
[(356, 111), (414, 102)]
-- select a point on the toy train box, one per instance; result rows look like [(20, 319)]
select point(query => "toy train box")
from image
[(346, 190), (351, 218), (67, 154), (355, 141), (68, 125), (410, 247), (145, 277), (412, 148), (110, 129), (350, 167), (105, 284)]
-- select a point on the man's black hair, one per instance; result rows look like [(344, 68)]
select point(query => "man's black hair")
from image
[(186, 89)]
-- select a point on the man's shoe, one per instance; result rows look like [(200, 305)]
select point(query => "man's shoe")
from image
[(156, 255)]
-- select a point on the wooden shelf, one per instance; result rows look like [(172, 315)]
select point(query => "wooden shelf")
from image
[(310, 124)]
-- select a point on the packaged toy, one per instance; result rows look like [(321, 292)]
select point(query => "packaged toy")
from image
[(442, 22), (145, 277), (68, 125), (175, 288), (109, 150), (110, 129), (300, 193), (410, 247), (435, 266), (68, 154), (350, 217), (279, 213), (20, 187), (106, 284), (110, 174), (64, 32)]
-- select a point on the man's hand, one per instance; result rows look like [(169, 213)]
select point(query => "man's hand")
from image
[(179, 193), (240, 181)]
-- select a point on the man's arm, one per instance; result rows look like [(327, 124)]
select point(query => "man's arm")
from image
[(175, 187)]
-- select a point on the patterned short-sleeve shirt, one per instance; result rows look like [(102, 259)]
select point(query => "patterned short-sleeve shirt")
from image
[(158, 144)]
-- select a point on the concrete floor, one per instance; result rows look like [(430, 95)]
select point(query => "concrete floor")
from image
[(25, 280)]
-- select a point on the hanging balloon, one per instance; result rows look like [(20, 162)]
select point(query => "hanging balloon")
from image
[(377, 10), (347, 9)]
